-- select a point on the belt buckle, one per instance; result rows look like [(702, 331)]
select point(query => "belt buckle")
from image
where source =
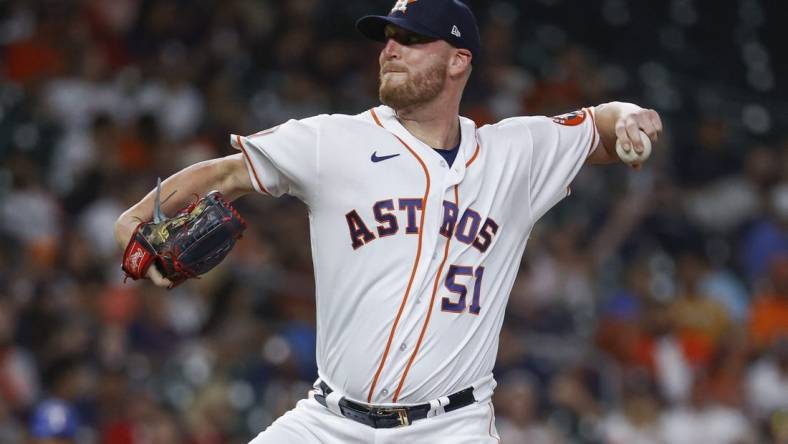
[(401, 412)]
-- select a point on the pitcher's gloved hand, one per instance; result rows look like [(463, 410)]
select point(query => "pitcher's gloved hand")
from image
[(186, 245)]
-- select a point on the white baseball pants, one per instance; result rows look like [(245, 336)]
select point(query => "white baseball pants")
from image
[(310, 422)]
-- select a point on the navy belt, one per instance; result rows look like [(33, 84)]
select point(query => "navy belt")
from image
[(383, 417)]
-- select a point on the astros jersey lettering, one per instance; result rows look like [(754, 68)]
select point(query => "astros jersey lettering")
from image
[(414, 259)]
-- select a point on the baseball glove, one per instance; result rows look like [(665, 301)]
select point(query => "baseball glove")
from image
[(186, 245)]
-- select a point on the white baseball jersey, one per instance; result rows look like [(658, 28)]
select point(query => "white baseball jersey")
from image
[(414, 259)]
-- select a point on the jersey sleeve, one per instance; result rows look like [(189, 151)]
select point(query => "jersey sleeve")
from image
[(283, 159), (560, 146)]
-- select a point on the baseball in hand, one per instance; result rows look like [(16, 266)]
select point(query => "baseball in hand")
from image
[(631, 157)]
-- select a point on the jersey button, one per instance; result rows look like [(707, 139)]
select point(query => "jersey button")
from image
[(443, 163), (384, 392), (403, 346)]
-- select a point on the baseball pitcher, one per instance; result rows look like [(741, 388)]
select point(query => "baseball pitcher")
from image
[(418, 222)]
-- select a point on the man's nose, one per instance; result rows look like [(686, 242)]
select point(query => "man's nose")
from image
[(391, 50)]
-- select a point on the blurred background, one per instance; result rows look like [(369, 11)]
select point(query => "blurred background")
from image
[(651, 307)]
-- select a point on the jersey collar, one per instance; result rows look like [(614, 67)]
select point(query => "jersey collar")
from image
[(468, 142)]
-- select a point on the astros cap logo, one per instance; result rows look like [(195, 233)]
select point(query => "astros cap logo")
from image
[(402, 5)]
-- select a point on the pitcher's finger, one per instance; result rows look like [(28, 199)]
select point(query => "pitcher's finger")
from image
[(621, 135), (633, 132), (156, 277), (647, 126), (657, 122)]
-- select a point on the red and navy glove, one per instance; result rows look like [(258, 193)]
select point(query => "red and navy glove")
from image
[(187, 245)]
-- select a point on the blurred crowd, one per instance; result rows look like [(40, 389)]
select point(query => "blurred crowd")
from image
[(651, 306)]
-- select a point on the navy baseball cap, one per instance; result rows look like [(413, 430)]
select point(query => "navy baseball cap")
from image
[(449, 20)]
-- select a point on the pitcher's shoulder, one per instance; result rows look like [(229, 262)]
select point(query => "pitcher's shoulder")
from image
[(345, 122), (512, 129), (517, 123)]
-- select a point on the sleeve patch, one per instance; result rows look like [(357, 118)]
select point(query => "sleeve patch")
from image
[(571, 119)]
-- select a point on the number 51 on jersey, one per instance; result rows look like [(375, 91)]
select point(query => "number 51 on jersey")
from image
[(451, 284)]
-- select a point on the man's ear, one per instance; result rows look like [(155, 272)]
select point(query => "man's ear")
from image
[(460, 62)]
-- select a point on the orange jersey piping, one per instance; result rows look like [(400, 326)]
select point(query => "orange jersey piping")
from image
[(475, 155), (432, 304), (415, 262), (593, 131), (251, 165)]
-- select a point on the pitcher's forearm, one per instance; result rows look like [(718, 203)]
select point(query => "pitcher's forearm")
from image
[(228, 175)]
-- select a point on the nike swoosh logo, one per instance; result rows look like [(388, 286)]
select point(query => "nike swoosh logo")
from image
[(375, 158)]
